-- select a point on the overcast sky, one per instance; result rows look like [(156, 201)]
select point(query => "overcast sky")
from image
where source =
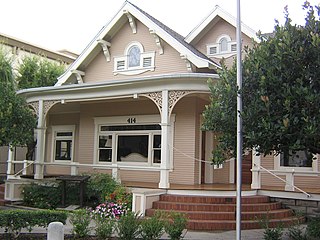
[(72, 24)]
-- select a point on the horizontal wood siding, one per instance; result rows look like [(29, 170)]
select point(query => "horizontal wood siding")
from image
[(100, 70), (106, 109), (266, 178), (139, 176), (184, 142), (55, 120)]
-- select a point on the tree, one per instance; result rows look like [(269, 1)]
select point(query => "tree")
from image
[(281, 93), (38, 72), (16, 119)]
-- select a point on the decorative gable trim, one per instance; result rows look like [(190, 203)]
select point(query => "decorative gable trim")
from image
[(105, 48), (133, 13), (78, 75), (132, 21), (158, 41)]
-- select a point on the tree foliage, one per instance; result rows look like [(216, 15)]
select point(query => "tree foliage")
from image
[(280, 92), (16, 120), (38, 72)]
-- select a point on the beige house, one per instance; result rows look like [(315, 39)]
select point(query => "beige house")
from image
[(131, 105)]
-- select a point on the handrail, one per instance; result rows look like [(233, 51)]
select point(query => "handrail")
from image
[(28, 165), (299, 189)]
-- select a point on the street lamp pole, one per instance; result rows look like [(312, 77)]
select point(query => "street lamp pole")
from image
[(239, 123)]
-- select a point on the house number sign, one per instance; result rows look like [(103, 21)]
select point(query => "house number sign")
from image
[(131, 120)]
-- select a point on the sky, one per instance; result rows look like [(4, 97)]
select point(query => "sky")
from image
[(72, 24)]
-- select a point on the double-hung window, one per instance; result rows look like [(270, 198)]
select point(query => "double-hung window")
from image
[(63, 142)]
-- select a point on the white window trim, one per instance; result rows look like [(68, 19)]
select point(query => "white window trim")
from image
[(123, 120), (134, 70), (62, 128), (220, 54), (314, 168)]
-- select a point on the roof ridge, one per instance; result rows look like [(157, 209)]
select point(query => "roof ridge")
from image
[(174, 34)]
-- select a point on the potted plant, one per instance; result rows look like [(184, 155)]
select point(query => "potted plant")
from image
[(218, 157)]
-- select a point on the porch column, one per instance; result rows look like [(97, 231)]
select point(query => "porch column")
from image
[(40, 142), (165, 157), (256, 173), (10, 167)]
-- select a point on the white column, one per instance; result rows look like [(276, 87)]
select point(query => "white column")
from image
[(10, 167), (165, 153), (256, 173), (40, 143), (289, 181)]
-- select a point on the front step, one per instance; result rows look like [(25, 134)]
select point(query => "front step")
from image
[(218, 213)]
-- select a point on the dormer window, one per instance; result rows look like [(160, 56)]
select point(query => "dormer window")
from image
[(134, 61), (222, 48)]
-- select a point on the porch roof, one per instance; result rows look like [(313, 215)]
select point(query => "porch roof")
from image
[(126, 87)]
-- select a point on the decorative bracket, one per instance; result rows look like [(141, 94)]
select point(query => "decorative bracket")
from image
[(158, 41), (188, 63), (132, 22), (105, 47), (78, 75)]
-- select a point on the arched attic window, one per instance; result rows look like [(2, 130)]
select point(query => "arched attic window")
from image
[(224, 45), (134, 61)]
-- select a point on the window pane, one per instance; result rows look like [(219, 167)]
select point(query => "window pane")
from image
[(130, 127), (105, 141), (63, 149), (157, 156), (64, 134), (223, 45), (134, 56), (133, 148), (157, 141), (105, 155), (296, 159)]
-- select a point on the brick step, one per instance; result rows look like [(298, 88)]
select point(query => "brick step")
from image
[(214, 225), (200, 215), (212, 200), (258, 207)]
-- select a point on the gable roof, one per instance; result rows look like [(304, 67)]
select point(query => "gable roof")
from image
[(168, 35), (217, 14)]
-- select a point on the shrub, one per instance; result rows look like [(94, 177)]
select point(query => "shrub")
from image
[(99, 186), (297, 232), (153, 227), (46, 195), (313, 228), (273, 233), (104, 228), (120, 195), (80, 220), (14, 220), (175, 225), (128, 226)]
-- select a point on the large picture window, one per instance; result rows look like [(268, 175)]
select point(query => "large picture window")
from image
[(63, 139), (130, 143)]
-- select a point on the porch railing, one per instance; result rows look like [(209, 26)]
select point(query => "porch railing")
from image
[(289, 181)]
